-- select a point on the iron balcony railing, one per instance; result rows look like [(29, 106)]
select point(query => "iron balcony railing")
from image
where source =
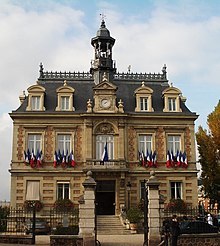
[(105, 165)]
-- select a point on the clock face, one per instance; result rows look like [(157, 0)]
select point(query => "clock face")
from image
[(105, 103)]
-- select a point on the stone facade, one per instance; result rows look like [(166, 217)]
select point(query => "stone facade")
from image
[(103, 110)]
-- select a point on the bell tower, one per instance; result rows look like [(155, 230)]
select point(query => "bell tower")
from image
[(103, 62)]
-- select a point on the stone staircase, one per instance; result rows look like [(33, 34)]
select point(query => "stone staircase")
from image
[(110, 225)]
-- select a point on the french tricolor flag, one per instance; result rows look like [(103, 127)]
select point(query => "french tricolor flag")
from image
[(105, 153)]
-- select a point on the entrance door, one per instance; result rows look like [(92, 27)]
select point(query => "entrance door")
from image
[(105, 197)]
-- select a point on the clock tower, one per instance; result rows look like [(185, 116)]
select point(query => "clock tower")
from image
[(102, 62)]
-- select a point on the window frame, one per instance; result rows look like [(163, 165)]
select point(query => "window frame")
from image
[(176, 188), (145, 142), (32, 190), (35, 103), (62, 143), (65, 103), (174, 148), (144, 103), (100, 142), (58, 186), (172, 107), (35, 142)]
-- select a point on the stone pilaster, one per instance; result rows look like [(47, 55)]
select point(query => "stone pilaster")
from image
[(87, 211), (153, 210)]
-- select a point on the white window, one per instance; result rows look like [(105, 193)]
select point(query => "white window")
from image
[(64, 143), (173, 143), (65, 103), (144, 103), (101, 141), (176, 190), (34, 142), (63, 190), (172, 104), (33, 190), (145, 143), (35, 102)]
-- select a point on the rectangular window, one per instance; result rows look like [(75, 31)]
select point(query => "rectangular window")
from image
[(145, 143), (34, 143), (173, 143), (65, 103), (172, 104), (63, 190), (176, 190), (64, 143), (100, 144), (143, 103), (35, 102), (33, 190)]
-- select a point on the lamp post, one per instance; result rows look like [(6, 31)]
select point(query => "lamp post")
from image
[(128, 189), (145, 214)]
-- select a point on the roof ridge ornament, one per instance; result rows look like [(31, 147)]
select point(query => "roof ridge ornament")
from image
[(102, 16), (104, 77)]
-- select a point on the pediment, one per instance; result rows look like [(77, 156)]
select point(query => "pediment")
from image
[(143, 90), (65, 89), (172, 91), (36, 89), (105, 86)]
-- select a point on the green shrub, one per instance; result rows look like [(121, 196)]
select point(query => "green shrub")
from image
[(134, 215)]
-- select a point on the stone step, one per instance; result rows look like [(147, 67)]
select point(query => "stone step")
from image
[(110, 225)]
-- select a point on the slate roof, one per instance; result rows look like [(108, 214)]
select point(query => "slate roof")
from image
[(84, 91)]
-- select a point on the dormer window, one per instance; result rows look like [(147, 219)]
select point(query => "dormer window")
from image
[(144, 103), (36, 98), (65, 103), (172, 97), (65, 98), (35, 102), (172, 104), (143, 99)]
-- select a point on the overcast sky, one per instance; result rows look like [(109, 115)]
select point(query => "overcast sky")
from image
[(184, 35)]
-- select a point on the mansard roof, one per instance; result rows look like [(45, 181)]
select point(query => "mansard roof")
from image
[(126, 83)]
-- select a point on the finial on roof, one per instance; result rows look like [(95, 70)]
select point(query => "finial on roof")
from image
[(22, 97), (171, 84), (120, 106), (65, 83), (164, 68), (104, 77), (143, 84), (41, 70), (102, 16), (129, 68)]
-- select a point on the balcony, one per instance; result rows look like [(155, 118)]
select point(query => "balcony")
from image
[(111, 165)]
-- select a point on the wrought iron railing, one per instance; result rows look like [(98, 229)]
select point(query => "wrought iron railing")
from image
[(87, 75), (111, 164)]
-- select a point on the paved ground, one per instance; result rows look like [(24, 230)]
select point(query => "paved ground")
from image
[(121, 240), (105, 240)]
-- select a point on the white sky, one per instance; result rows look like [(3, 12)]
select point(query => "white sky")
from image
[(149, 33)]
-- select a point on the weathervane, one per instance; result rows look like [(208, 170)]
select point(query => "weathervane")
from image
[(102, 16)]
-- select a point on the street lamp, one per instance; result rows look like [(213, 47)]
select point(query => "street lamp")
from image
[(128, 189), (145, 214)]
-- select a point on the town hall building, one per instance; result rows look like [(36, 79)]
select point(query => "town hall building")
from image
[(120, 126)]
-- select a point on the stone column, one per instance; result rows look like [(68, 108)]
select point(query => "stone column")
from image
[(87, 211), (153, 210)]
